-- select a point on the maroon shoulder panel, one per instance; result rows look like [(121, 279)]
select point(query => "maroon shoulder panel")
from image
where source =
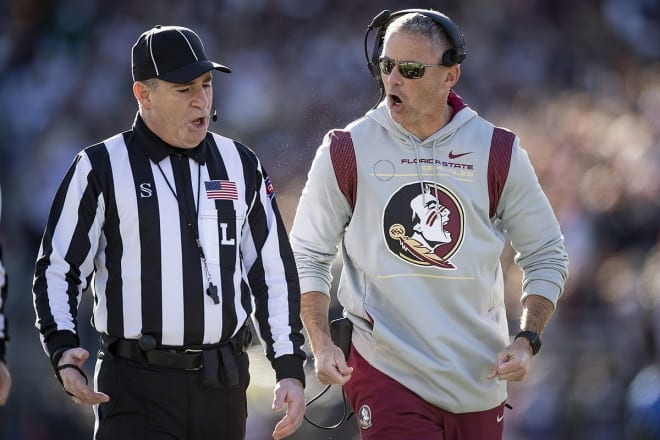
[(342, 154), (499, 161)]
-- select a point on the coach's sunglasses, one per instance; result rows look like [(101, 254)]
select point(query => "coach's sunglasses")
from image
[(407, 69)]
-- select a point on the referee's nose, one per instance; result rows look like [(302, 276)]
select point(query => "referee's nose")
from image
[(202, 95)]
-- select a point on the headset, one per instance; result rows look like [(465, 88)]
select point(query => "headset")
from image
[(454, 55)]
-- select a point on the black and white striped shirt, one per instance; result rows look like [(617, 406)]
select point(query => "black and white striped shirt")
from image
[(119, 223)]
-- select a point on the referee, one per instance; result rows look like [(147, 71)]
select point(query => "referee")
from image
[(176, 231)]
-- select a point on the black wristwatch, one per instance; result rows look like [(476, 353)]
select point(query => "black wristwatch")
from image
[(533, 338)]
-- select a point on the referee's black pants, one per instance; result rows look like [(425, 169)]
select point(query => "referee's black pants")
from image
[(157, 403)]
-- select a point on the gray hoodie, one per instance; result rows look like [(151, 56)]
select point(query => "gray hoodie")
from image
[(422, 226)]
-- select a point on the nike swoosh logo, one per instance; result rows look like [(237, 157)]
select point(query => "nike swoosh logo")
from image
[(455, 156), (500, 418)]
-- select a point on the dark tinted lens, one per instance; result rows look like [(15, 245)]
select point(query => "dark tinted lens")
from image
[(411, 70), (386, 65)]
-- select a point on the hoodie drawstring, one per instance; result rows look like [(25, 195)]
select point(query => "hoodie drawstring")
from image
[(435, 169), (419, 167), (421, 175)]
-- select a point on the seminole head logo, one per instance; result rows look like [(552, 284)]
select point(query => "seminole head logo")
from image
[(423, 224)]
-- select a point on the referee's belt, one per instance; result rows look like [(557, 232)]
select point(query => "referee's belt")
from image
[(191, 358)]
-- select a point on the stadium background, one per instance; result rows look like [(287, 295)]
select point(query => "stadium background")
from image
[(579, 82)]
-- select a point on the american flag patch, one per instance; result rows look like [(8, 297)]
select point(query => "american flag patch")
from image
[(270, 189), (221, 190)]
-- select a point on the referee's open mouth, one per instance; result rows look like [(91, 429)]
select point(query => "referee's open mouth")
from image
[(200, 122)]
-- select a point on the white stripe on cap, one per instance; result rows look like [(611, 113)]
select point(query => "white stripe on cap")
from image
[(151, 53), (189, 45)]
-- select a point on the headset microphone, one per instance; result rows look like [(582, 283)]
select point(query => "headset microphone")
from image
[(214, 113)]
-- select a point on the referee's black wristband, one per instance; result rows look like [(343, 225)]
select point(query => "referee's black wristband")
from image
[(57, 355), (75, 367)]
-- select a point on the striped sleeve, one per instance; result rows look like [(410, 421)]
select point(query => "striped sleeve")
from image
[(498, 165), (65, 261), (272, 277)]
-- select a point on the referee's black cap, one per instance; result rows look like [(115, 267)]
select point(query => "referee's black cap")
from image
[(171, 53)]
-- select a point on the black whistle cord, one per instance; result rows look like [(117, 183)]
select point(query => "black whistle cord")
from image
[(345, 416)]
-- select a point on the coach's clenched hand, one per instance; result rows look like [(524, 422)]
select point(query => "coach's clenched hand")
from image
[(513, 362), (330, 365)]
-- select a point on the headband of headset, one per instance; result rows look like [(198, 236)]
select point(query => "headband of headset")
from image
[(454, 55)]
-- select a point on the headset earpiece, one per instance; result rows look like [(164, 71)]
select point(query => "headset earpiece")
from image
[(379, 22), (449, 58)]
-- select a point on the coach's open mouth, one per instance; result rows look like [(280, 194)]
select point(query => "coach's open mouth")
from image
[(394, 101)]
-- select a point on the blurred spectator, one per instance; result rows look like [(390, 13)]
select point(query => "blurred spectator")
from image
[(579, 82), (5, 375)]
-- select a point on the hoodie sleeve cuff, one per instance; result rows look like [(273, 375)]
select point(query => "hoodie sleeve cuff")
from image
[(546, 289)]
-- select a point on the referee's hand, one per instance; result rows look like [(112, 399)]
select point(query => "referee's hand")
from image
[(74, 383), (289, 392)]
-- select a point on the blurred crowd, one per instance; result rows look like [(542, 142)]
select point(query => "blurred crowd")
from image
[(579, 82)]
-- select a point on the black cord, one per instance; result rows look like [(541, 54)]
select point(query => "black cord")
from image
[(75, 367), (372, 61), (344, 416)]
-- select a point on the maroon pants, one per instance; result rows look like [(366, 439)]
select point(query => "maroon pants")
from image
[(386, 410)]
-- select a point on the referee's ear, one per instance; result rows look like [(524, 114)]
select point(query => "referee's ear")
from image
[(141, 91)]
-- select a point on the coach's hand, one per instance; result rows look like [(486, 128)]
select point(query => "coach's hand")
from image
[(330, 366), (74, 382), (513, 362), (289, 392)]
